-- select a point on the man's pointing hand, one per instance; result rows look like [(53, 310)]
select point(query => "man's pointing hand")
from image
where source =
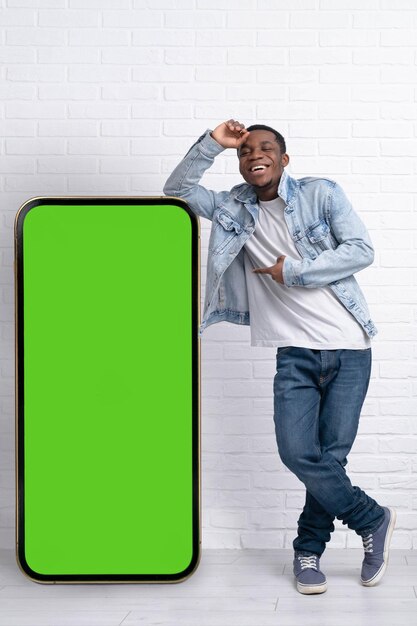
[(275, 270)]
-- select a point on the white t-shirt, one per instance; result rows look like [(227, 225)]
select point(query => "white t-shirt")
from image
[(292, 316)]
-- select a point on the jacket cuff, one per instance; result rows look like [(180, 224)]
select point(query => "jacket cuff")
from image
[(291, 272), (209, 146)]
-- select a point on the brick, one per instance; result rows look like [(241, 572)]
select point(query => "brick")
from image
[(163, 74), (34, 146), (256, 56), (132, 19), (100, 4), (319, 57), (355, 5), (67, 165), (227, 445), (98, 110), (319, 19), (99, 146), (223, 371), (354, 112), (219, 112), (130, 128), (37, 4), (400, 259), (308, 166), (68, 92), (256, 19), (318, 93), (228, 74), (228, 519), (398, 111), (14, 55), (228, 482), (287, 38), (18, 17), (194, 56), (296, 5), (280, 75), (35, 110), (35, 37), (271, 519), (398, 37), (284, 111), (68, 55), (164, 4), (381, 129), (67, 128), (98, 74), (398, 147), (221, 541), (36, 74), (247, 426), (68, 18), (381, 93), (223, 38), (163, 37), (262, 540), (274, 480), (36, 184), (380, 19), (349, 75), (132, 56), (195, 19), (319, 129), (398, 74), (384, 56), (98, 37), (90, 184), (11, 91), (159, 145), (382, 166), (398, 445), (349, 38), (349, 147), (407, 183)]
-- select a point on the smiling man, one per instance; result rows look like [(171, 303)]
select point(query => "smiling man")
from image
[(282, 254)]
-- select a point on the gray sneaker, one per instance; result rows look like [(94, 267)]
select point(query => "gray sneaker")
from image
[(376, 546), (307, 573)]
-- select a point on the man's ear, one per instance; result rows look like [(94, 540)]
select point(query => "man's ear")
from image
[(285, 159)]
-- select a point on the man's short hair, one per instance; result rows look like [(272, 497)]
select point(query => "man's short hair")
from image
[(279, 138)]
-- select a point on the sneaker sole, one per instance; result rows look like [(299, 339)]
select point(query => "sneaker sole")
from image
[(377, 577), (310, 589)]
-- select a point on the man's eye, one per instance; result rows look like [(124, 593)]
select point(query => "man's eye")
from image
[(244, 153)]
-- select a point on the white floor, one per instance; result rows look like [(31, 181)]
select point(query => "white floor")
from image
[(230, 588)]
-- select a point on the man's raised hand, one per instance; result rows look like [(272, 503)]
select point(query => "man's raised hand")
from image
[(230, 134)]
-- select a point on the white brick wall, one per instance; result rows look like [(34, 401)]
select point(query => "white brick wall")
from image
[(105, 96)]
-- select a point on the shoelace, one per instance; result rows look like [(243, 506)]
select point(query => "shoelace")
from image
[(367, 543), (308, 562)]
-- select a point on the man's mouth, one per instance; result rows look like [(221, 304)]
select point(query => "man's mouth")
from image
[(257, 168)]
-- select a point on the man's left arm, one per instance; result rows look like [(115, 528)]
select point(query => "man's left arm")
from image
[(353, 253)]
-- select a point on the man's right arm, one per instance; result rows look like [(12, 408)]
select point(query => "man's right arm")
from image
[(184, 180)]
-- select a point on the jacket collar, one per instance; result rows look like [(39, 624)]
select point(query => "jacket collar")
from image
[(286, 190)]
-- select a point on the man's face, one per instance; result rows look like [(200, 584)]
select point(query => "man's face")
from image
[(261, 163)]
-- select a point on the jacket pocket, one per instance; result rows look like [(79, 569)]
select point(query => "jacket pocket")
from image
[(318, 233), (225, 229)]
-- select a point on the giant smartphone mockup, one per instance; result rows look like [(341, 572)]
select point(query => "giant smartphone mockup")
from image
[(107, 365)]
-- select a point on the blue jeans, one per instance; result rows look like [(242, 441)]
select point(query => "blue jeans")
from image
[(318, 396)]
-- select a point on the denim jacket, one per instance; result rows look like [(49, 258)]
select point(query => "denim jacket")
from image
[(332, 240)]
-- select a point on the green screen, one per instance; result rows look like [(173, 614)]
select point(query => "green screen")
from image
[(108, 387)]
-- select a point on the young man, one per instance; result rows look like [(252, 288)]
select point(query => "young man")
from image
[(285, 251)]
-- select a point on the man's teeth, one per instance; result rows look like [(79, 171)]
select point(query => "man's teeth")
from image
[(258, 167)]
